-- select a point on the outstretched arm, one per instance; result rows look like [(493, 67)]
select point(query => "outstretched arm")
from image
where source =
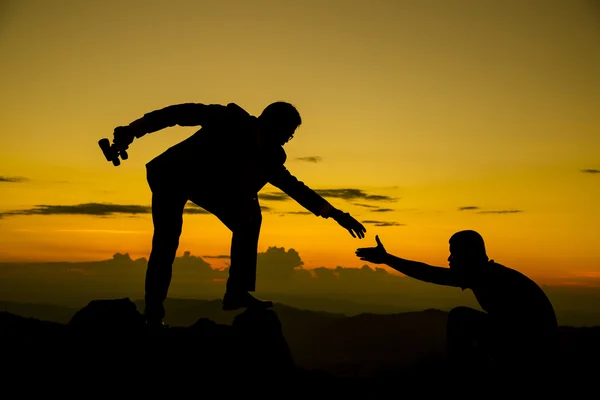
[(314, 202), (301, 193), (187, 114), (414, 269), (421, 271)]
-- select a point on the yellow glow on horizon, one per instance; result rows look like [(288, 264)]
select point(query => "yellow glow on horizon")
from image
[(493, 107)]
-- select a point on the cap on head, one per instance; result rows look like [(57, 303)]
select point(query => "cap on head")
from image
[(468, 244)]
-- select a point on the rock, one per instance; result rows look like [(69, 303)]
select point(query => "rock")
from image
[(106, 343), (108, 315)]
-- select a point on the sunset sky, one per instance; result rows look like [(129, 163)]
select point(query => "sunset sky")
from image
[(427, 116)]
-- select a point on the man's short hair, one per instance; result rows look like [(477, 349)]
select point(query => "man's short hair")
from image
[(469, 243), (281, 113)]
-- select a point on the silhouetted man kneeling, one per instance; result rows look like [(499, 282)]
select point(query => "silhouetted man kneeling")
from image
[(220, 168), (519, 328)]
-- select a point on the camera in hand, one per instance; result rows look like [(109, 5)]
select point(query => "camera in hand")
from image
[(112, 152)]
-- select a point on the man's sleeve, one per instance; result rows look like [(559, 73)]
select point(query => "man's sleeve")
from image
[(187, 114), (301, 193)]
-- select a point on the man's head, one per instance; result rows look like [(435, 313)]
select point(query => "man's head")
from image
[(467, 252), (278, 122)]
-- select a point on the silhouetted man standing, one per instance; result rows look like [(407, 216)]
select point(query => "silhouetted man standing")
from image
[(220, 168), (519, 328)]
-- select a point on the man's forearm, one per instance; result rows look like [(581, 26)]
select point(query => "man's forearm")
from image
[(142, 126), (302, 194), (421, 271), (328, 211)]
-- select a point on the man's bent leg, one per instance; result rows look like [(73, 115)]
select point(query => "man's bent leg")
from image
[(242, 270), (524, 348), (245, 230), (167, 216), (244, 249), (467, 336)]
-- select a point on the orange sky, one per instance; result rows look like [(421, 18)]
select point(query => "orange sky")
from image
[(436, 105)]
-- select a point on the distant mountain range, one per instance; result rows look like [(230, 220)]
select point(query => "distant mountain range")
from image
[(281, 277)]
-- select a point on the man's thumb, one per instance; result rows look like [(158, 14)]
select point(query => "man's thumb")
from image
[(378, 241)]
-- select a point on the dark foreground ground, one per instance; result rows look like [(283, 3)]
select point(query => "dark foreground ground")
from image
[(105, 347)]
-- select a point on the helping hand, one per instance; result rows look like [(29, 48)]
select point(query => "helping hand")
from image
[(352, 225), (375, 255)]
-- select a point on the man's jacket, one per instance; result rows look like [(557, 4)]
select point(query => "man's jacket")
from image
[(224, 159)]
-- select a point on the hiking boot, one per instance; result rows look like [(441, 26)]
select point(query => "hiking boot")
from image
[(236, 300)]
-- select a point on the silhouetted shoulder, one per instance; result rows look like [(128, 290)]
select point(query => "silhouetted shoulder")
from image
[(513, 279), (229, 127), (508, 293), (240, 123), (238, 117), (206, 115), (236, 110), (213, 116)]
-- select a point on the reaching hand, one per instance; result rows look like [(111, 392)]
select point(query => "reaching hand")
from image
[(352, 225), (375, 255)]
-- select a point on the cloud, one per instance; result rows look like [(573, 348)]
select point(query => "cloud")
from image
[(312, 159), (277, 263), (500, 212), (282, 277), (274, 196), (189, 264), (489, 211), (382, 223), (284, 213), (352, 194), (278, 269), (591, 171), (112, 231), (346, 194), (95, 209), (365, 205), (382, 210), (195, 211), (13, 179), (192, 208)]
